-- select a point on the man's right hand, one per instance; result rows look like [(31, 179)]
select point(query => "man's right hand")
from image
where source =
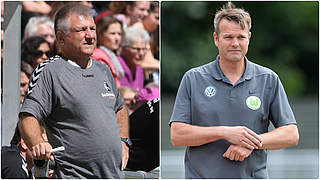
[(243, 136), (42, 151)]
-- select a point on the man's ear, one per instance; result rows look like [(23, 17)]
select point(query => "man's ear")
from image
[(215, 38), (60, 37)]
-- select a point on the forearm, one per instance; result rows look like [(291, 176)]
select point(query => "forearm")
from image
[(36, 6), (123, 122), (280, 137), (30, 131), (183, 134)]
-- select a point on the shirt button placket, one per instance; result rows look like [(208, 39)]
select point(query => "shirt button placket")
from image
[(232, 92)]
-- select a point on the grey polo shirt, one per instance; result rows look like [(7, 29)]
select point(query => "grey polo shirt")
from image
[(78, 107), (207, 98)]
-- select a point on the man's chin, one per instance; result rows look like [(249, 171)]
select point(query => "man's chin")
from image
[(235, 58), (88, 51)]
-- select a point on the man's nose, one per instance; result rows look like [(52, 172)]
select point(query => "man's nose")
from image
[(235, 42), (90, 34)]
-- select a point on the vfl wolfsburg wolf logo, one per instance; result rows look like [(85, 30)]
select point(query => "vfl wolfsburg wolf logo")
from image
[(253, 102)]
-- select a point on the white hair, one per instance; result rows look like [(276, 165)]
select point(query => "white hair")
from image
[(132, 34), (32, 25)]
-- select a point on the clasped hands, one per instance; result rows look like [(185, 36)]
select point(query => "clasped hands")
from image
[(243, 142)]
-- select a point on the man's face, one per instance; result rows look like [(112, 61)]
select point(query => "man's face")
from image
[(24, 80), (232, 41), (80, 42), (136, 52), (111, 38), (139, 11), (47, 33)]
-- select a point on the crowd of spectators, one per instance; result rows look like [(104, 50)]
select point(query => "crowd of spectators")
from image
[(127, 42)]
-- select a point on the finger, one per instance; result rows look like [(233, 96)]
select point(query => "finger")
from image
[(43, 151), (254, 135), (236, 156), (241, 158), (226, 154), (47, 156), (247, 144), (51, 158), (122, 167), (34, 154), (48, 152), (252, 141), (38, 153), (232, 155), (124, 164)]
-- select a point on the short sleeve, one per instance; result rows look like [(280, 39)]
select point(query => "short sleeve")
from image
[(182, 106), (119, 101), (38, 100), (281, 112)]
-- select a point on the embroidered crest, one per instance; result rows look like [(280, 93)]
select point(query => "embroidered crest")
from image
[(106, 86)]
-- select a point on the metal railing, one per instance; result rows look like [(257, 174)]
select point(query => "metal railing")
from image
[(141, 175)]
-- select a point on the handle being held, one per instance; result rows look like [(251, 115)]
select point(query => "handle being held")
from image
[(41, 167)]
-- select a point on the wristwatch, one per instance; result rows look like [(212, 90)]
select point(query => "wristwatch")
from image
[(127, 141)]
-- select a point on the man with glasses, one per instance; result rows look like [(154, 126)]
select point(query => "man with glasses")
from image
[(77, 99)]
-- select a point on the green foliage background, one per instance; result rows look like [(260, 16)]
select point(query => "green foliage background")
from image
[(284, 38)]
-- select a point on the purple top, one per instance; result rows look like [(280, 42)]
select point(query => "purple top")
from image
[(128, 80)]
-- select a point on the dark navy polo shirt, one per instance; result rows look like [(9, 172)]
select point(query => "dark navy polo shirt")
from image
[(207, 98)]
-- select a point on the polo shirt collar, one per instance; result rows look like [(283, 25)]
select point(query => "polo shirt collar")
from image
[(248, 73), (218, 74)]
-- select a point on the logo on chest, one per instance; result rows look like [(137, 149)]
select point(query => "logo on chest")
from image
[(108, 93), (253, 102), (106, 86), (210, 91)]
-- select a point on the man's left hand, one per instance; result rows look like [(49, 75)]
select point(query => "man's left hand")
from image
[(237, 153), (125, 155)]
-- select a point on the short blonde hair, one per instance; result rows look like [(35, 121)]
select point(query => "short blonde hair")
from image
[(231, 13)]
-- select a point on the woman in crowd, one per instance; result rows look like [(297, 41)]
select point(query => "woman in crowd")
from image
[(35, 50), (109, 35)]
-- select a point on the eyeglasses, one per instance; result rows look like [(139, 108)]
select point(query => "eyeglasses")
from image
[(40, 53), (48, 35), (138, 49)]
